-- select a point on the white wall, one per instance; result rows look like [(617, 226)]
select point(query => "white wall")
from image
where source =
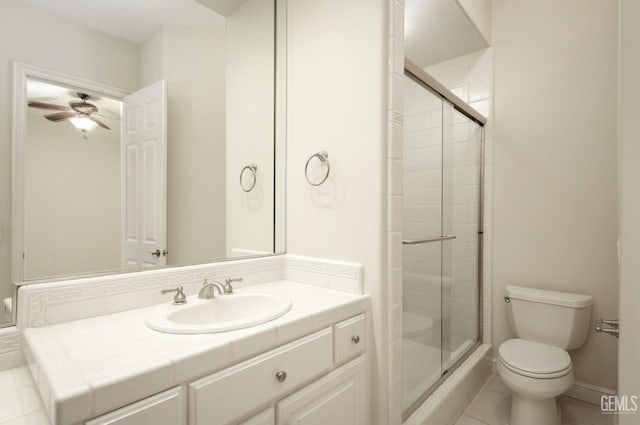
[(629, 202), (192, 60), (84, 53), (336, 102), (479, 11), (250, 107), (72, 198), (555, 161)]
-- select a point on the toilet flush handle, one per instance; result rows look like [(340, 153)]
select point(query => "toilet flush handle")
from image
[(507, 299), (613, 327)]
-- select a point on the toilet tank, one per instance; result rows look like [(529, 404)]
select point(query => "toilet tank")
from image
[(560, 319)]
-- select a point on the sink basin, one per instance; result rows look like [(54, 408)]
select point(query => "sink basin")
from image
[(224, 313)]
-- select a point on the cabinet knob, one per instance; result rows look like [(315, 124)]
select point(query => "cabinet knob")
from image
[(281, 376), (355, 339)]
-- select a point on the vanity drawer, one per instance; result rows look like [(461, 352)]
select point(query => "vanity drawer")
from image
[(166, 408), (225, 396), (349, 338)]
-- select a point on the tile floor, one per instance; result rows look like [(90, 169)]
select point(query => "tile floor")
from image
[(491, 407), (19, 401)]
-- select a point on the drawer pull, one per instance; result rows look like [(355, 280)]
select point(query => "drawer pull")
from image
[(355, 339), (281, 376)]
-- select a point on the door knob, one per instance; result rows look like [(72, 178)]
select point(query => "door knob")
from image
[(155, 253)]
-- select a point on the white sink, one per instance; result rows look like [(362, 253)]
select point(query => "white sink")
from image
[(220, 314)]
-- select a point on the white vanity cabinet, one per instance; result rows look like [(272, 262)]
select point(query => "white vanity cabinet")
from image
[(319, 379), (166, 408), (337, 399), (225, 396), (266, 417)]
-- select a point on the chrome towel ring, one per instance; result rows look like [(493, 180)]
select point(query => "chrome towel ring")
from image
[(324, 158), (252, 168)]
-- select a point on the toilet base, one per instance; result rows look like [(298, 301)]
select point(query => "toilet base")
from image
[(531, 411)]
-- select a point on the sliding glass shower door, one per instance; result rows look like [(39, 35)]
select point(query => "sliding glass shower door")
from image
[(441, 226)]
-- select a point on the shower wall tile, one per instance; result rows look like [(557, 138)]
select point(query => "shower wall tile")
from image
[(395, 214), (471, 77), (394, 286), (396, 123), (394, 177), (395, 141)]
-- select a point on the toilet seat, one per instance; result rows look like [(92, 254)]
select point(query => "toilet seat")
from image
[(533, 359)]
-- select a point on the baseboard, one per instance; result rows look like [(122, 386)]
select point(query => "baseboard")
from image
[(588, 393)]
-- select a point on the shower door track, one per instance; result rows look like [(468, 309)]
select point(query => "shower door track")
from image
[(421, 77)]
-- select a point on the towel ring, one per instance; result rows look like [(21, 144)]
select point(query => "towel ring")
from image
[(252, 168), (323, 157)]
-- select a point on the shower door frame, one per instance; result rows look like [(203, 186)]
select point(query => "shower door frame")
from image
[(421, 77)]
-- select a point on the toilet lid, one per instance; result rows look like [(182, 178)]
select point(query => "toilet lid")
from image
[(534, 359), (414, 324)]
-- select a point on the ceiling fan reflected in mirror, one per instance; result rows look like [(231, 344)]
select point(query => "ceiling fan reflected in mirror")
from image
[(80, 113)]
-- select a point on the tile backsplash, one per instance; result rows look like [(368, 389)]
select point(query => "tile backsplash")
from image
[(63, 301), (10, 348)]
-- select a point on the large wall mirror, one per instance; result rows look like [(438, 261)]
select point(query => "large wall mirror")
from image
[(144, 135)]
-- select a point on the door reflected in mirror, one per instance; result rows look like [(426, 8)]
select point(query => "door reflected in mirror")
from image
[(149, 140)]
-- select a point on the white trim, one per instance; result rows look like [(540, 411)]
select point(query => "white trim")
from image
[(21, 72), (588, 393)]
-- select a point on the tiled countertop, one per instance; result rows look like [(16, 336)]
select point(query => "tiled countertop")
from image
[(89, 367)]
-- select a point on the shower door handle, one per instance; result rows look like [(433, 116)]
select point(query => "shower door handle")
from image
[(427, 240)]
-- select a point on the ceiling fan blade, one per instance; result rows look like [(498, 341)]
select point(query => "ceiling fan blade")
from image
[(42, 105), (60, 116), (97, 121)]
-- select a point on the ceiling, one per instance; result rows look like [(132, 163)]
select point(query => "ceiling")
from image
[(134, 20), (438, 30), (109, 109)]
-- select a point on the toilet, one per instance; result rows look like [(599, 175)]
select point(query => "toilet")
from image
[(536, 365), (416, 326)]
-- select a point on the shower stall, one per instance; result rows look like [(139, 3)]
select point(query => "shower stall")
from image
[(442, 234)]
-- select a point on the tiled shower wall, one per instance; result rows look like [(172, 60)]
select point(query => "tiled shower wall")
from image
[(395, 55), (470, 77), (421, 202), (441, 193)]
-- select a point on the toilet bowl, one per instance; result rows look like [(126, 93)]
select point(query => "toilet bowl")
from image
[(537, 374), (415, 325), (536, 365)]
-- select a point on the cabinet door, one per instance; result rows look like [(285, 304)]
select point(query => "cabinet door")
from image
[(340, 398), (266, 417), (166, 408)]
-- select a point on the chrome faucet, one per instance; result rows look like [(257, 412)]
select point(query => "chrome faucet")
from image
[(179, 298), (207, 290), (228, 289)]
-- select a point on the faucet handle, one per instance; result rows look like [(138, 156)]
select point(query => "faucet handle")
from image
[(228, 289), (179, 298)]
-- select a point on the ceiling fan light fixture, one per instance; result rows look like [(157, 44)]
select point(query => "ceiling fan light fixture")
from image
[(83, 123)]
